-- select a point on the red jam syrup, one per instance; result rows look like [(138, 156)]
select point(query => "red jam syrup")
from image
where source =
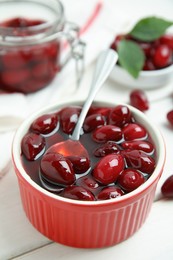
[(27, 68), (121, 154)]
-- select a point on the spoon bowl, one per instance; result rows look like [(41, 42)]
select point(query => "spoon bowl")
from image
[(69, 148)]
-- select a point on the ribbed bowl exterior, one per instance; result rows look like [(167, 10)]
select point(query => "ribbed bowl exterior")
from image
[(85, 226)]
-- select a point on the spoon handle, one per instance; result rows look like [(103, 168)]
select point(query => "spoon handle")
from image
[(105, 64)]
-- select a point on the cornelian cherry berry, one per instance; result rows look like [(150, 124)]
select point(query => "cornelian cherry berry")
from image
[(104, 111), (162, 56), (80, 164), (20, 22), (167, 187), (32, 146), (108, 148), (107, 133), (57, 169), (139, 160), (93, 121), (148, 65), (78, 193), (134, 132), (146, 47), (13, 59), (170, 117), (108, 169), (89, 183), (14, 77), (119, 116), (139, 99), (168, 40), (110, 192), (115, 42), (45, 124), (68, 118), (144, 146), (130, 179)]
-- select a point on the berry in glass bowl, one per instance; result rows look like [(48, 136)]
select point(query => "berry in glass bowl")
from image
[(145, 54), (117, 178)]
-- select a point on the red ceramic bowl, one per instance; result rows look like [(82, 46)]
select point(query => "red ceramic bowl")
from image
[(85, 224)]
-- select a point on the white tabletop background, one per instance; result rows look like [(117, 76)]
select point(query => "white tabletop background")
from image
[(19, 240)]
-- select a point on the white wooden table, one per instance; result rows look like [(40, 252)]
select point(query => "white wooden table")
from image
[(19, 240)]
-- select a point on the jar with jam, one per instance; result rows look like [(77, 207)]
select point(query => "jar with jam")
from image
[(33, 34)]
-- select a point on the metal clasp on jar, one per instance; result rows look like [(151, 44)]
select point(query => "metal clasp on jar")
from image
[(77, 49)]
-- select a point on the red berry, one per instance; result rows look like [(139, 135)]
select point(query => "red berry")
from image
[(139, 160), (32, 146), (168, 40), (146, 47), (144, 146), (162, 56), (148, 65), (15, 77), (13, 60), (108, 168), (139, 99), (167, 187), (130, 179), (107, 133), (35, 22), (88, 183), (108, 148), (45, 124), (116, 41), (170, 117), (134, 131), (68, 118), (37, 54), (17, 22), (57, 169), (78, 193), (104, 111), (92, 122), (110, 193), (44, 70), (119, 116), (20, 22), (80, 164), (52, 50)]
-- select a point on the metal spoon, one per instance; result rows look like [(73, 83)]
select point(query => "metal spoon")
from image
[(72, 146)]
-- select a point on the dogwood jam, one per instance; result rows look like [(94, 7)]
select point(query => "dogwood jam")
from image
[(121, 154)]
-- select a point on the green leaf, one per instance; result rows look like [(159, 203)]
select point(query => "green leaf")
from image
[(150, 28), (131, 57)]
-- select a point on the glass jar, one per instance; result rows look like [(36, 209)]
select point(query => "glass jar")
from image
[(32, 36)]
